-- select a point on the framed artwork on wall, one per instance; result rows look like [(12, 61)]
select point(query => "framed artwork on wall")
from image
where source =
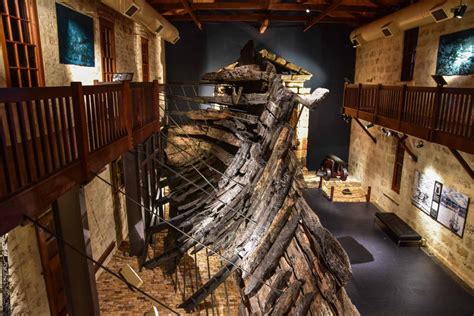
[(75, 37), (441, 202), (456, 54)]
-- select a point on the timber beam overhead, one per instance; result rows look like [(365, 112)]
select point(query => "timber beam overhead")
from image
[(264, 12), (261, 5), (255, 17)]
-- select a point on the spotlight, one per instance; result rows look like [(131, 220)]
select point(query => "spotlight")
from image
[(440, 81), (346, 118), (459, 11), (369, 125), (308, 11), (420, 144), (386, 132)]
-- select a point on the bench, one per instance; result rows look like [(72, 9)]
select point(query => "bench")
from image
[(397, 229)]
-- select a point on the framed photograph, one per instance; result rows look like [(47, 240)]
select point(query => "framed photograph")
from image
[(441, 202), (453, 210), (75, 37), (122, 76), (456, 54)]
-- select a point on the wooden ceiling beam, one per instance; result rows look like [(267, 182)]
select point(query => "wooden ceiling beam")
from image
[(187, 7), (262, 5), (323, 14), (259, 18), (378, 3)]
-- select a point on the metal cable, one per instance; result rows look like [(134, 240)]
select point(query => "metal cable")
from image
[(118, 276), (189, 236)]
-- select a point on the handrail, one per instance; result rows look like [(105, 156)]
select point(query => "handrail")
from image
[(437, 114), (53, 138)]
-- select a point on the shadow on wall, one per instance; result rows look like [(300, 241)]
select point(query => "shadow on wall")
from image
[(324, 50)]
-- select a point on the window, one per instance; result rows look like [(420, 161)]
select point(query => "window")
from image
[(409, 52), (145, 64), (398, 168), (20, 43), (107, 48)]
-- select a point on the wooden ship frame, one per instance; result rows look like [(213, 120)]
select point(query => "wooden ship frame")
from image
[(235, 188)]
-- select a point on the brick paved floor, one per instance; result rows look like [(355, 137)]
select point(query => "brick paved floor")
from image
[(116, 299)]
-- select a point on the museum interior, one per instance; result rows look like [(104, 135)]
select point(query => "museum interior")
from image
[(237, 157)]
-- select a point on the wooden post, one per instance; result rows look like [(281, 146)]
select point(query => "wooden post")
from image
[(435, 112), (331, 197), (344, 98), (156, 104), (320, 182), (463, 162), (71, 224), (80, 122), (135, 220), (401, 105), (365, 130), (359, 93), (128, 111), (377, 103), (367, 196)]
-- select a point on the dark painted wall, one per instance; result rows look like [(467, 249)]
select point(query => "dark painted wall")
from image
[(325, 51)]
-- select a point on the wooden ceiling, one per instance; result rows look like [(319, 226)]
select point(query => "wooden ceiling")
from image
[(266, 12)]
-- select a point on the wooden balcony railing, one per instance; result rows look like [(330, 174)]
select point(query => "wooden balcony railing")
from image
[(436, 114), (53, 138)]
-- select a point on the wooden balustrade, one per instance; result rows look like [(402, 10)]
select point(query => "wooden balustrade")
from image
[(53, 138), (436, 114)]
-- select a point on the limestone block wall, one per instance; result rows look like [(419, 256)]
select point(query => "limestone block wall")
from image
[(27, 288), (380, 62), (127, 45), (106, 225)]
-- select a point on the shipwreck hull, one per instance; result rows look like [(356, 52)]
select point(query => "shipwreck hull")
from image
[(236, 187)]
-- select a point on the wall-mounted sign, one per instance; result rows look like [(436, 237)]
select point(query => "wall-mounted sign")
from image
[(456, 54), (440, 202), (75, 37)]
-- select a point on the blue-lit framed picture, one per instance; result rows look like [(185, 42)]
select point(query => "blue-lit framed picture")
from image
[(75, 36), (456, 54)]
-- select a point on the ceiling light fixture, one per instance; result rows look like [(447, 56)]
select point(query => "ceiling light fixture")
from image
[(459, 11), (308, 11)]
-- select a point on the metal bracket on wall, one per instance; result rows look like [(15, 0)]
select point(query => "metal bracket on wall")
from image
[(463, 162), (401, 140), (365, 130)]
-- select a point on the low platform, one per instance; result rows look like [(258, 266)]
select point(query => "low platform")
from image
[(333, 189), (397, 229)]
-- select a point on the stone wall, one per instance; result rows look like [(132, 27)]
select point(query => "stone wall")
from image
[(380, 62), (127, 45), (105, 226), (27, 287)]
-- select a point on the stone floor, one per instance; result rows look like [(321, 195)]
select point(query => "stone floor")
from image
[(116, 299), (392, 280)]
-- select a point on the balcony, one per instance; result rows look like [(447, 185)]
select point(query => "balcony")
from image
[(440, 115), (53, 138)]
